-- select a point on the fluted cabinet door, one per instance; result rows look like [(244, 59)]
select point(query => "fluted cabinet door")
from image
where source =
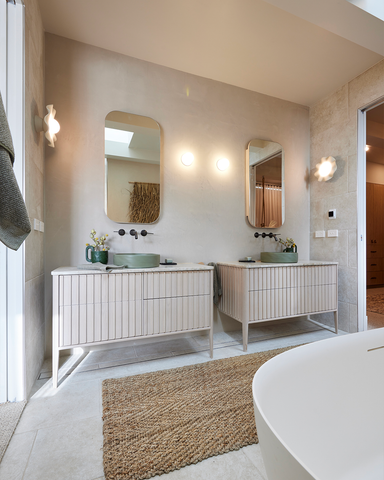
[(99, 308)]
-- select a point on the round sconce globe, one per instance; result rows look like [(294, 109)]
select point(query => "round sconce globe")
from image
[(187, 159), (222, 164)]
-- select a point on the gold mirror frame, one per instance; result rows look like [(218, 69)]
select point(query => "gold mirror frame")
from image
[(264, 184)]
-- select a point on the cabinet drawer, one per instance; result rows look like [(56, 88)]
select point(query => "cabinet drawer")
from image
[(99, 288), (166, 315), (176, 284), (374, 264), (374, 278), (270, 278), (286, 302), (374, 251), (99, 322)]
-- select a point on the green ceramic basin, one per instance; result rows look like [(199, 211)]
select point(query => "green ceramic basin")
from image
[(278, 257), (137, 260)]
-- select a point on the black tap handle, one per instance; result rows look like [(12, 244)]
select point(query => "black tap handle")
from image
[(263, 234), (120, 232), (256, 234), (144, 233)]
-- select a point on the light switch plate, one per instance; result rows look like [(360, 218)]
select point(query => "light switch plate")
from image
[(36, 224), (41, 226), (333, 233), (320, 233)]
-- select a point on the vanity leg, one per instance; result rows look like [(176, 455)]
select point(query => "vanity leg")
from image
[(336, 321), (245, 336), (55, 366), (211, 341), (55, 331)]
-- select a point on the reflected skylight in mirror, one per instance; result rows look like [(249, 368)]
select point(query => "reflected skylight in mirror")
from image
[(373, 7), (114, 135)]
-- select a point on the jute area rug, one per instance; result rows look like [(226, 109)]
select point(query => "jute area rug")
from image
[(10, 414), (375, 303), (158, 422)]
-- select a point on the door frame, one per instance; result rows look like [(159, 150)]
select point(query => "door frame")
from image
[(361, 214), (12, 266)]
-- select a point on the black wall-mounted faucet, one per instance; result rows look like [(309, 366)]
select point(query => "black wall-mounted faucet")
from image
[(133, 232), (270, 235)]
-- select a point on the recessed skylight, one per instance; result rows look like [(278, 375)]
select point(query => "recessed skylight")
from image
[(114, 135)]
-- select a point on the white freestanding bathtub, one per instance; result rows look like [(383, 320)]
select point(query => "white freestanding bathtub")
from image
[(319, 410)]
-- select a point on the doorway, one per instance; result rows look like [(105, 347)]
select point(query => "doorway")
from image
[(374, 164)]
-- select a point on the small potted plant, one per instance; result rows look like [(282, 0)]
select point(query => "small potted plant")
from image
[(99, 251), (289, 244)]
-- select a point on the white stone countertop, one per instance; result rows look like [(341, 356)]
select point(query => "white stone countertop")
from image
[(259, 264), (181, 267)]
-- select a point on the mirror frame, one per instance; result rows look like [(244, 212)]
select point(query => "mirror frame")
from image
[(247, 186)]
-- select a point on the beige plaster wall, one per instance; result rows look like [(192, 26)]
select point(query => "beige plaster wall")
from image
[(333, 127), (34, 192), (202, 209)]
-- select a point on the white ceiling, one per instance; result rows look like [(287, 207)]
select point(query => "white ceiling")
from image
[(297, 50)]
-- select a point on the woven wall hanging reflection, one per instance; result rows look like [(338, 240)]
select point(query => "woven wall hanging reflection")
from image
[(144, 205)]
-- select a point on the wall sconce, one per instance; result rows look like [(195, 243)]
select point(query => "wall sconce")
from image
[(187, 159), (325, 169), (49, 125), (222, 164)]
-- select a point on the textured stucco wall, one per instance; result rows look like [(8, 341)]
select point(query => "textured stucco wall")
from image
[(333, 131), (34, 192), (202, 209)]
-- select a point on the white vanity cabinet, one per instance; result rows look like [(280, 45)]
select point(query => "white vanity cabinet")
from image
[(92, 307), (258, 292)]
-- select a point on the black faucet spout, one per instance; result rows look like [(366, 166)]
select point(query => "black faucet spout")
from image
[(134, 233)]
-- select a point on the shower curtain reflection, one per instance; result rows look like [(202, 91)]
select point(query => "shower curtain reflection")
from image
[(267, 205)]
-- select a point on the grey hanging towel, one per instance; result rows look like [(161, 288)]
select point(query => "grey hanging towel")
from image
[(14, 221), (217, 291)]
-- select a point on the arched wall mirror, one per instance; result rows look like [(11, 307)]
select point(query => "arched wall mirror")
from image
[(132, 168), (264, 185)]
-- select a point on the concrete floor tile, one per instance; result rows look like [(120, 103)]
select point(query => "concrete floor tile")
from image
[(86, 368), (39, 383), (176, 346), (16, 456), (230, 466), (72, 451), (116, 354), (47, 364), (71, 401), (253, 452)]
